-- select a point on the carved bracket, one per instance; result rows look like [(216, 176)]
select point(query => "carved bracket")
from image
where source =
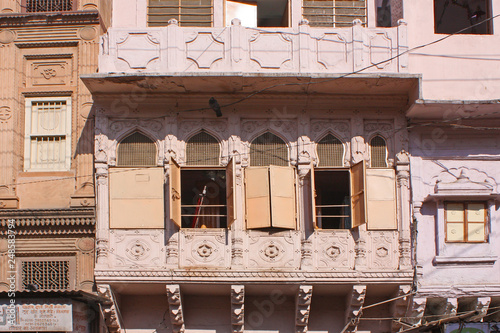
[(109, 309), (303, 308), (175, 307), (238, 308), (400, 307), (354, 308)]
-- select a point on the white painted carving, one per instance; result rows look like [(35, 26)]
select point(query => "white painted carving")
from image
[(205, 49), (138, 49), (204, 248), (332, 50), (270, 50), (273, 251), (380, 49)]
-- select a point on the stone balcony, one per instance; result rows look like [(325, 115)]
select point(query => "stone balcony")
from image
[(173, 50)]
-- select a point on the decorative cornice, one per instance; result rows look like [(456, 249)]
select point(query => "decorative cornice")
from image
[(49, 18), (30, 222), (47, 93), (46, 44), (48, 56), (257, 276)]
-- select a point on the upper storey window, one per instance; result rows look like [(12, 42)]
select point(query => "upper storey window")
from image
[(189, 13), (34, 6), (136, 150), (259, 13), (202, 149), (451, 16), (268, 149), (378, 152), (321, 13)]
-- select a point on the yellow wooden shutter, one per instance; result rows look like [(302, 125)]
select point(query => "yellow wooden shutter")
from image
[(313, 198), (282, 197), (358, 197), (230, 196), (136, 198), (175, 193), (381, 199), (258, 210)]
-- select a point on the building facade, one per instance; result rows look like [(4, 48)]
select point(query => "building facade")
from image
[(47, 201), (243, 181)]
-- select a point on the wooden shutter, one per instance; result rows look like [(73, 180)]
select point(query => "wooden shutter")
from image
[(136, 198), (282, 197), (381, 199), (313, 198), (230, 196), (175, 193), (258, 210), (358, 197)]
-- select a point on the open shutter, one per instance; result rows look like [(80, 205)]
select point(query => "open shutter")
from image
[(136, 198), (175, 193), (358, 197), (258, 210), (282, 197), (313, 198), (230, 197), (381, 199)]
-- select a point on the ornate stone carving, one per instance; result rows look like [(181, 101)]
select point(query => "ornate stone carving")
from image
[(307, 249), (481, 305), (204, 49), (303, 308), (417, 310), (109, 309), (360, 249), (354, 307), (237, 251), (189, 127), (175, 308), (138, 248), (273, 251), (5, 114), (238, 308), (138, 49), (173, 250), (118, 126), (281, 44), (358, 149), (383, 249), (333, 249), (204, 248), (400, 306), (250, 128), (339, 128), (7, 36), (381, 127)]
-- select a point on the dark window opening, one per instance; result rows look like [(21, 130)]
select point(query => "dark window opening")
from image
[(34, 6), (451, 16), (259, 13), (337, 13), (203, 198), (384, 13), (333, 209), (136, 150)]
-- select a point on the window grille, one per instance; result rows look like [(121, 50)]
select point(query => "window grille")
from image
[(268, 149), (378, 152), (46, 275), (189, 13), (136, 150), (33, 6), (48, 128), (330, 152), (202, 149), (334, 13)]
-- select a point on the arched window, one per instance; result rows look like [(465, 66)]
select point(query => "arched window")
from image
[(268, 149), (202, 149), (378, 152), (136, 150), (330, 152)]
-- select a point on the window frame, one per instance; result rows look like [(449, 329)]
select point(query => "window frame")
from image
[(29, 133), (488, 15), (466, 222), (71, 270), (386, 151), (251, 143), (120, 142), (74, 7), (335, 23), (179, 15)]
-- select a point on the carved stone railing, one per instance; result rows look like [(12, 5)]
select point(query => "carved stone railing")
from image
[(237, 49)]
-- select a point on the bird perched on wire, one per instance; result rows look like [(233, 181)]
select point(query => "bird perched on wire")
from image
[(215, 106)]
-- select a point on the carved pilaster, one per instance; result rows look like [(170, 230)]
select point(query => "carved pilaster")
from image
[(404, 209), (175, 308), (360, 260), (109, 309), (238, 308), (354, 307), (303, 308), (306, 251), (102, 214), (237, 250), (173, 250), (399, 307)]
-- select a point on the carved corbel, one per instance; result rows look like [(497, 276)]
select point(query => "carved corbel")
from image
[(303, 308), (481, 305), (109, 308), (238, 308), (417, 310), (358, 149), (354, 308), (175, 308), (451, 307), (399, 307)]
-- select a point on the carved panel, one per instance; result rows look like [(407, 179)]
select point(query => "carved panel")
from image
[(204, 248), (238, 308), (380, 49), (138, 49), (270, 50), (383, 249), (332, 50), (268, 252), (136, 248), (189, 127), (48, 70), (333, 249), (5, 114), (251, 128), (204, 49), (339, 128)]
